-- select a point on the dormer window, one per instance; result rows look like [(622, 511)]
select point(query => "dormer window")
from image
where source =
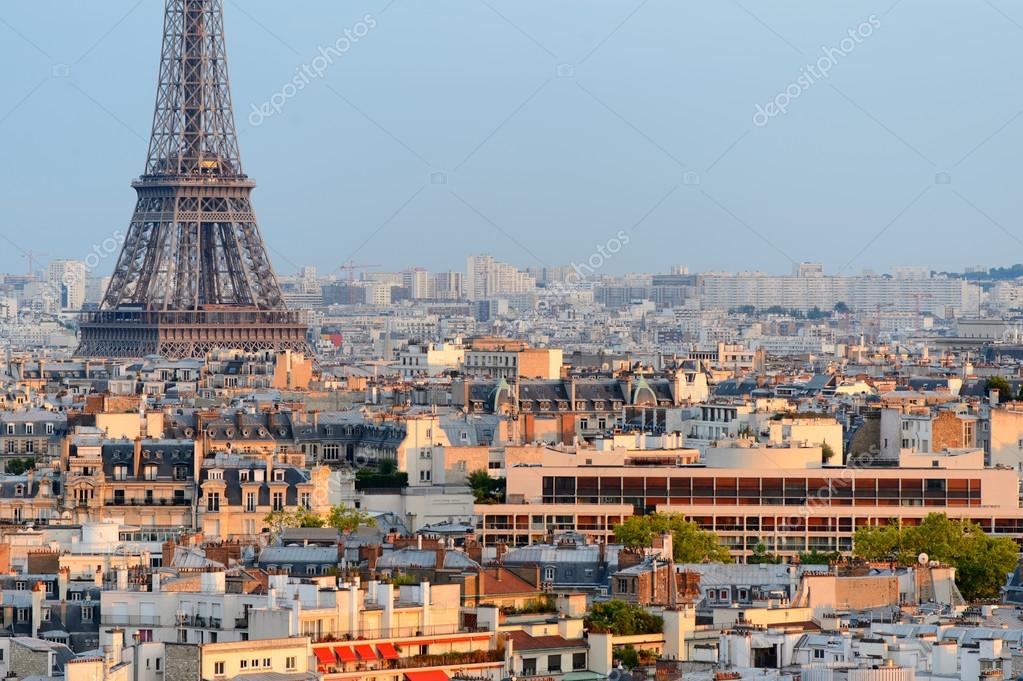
[(278, 476), (243, 476), (216, 475), (149, 472), (29, 429), (10, 429), (19, 490)]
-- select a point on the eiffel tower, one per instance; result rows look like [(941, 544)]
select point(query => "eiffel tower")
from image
[(193, 274)]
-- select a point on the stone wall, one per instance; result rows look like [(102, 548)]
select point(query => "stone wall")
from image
[(182, 662)]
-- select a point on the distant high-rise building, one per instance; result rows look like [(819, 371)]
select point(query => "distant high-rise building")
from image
[(95, 287), (447, 286), (808, 269), (68, 279), (417, 281), (389, 278), (487, 277)]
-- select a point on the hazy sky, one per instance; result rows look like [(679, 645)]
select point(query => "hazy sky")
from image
[(535, 130)]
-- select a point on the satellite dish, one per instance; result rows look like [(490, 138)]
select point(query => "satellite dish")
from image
[(923, 559)]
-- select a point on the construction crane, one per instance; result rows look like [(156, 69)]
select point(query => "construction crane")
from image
[(351, 266), (31, 256), (919, 297)]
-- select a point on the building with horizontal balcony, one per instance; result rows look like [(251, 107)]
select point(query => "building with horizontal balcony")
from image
[(779, 496), (237, 493), (143, 482), (32, 497), (31, 433)]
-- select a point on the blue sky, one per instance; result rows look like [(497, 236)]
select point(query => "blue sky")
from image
[(535, 130)]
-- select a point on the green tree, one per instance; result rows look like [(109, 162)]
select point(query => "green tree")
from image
[(827, 453), (385, 476), (689, 543), (761, 556), (278, 521), (841, 307), (347, 519), (1001, 384), (819, 557), (307, 518), (981, 561), (18, 466), (485, 489), (622, 619), (628, 657)]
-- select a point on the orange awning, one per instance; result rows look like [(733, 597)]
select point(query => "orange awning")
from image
[(366, 652), (387, 651), (325, 656), (434, 675), (346, 654)]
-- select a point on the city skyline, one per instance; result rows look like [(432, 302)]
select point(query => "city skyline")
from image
[(582, 139)]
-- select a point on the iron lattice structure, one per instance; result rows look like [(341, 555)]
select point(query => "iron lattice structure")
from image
[(193, 274)]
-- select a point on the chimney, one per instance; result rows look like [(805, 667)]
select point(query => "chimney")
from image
[(38, 593), (269, 467), (115, 647), (97, 577), (316, 418), (63, 577), (137, 458)]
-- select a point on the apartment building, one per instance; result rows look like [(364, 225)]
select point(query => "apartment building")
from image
[(146, 482), (237, 493), (782, 497), (498, 358), (935, 295), (424, 360), (927, 430), (487, 278), (31, 433)]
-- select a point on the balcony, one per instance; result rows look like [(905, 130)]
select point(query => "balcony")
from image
[(132, 620), (395, 632), (187, 619), (162, 501)]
